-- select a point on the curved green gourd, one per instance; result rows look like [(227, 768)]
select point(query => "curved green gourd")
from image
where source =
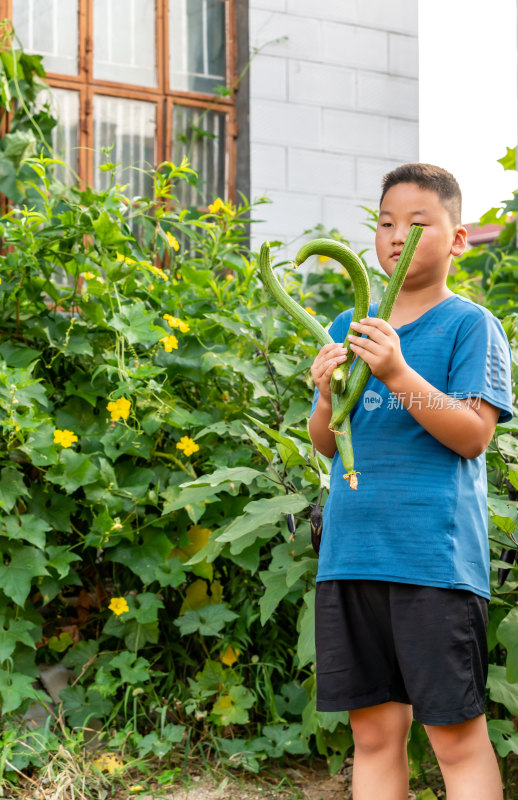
[(361, 373), (362, 293), (272, 285), (352, 388)]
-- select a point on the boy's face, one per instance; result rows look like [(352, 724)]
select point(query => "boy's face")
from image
[(403, 205)]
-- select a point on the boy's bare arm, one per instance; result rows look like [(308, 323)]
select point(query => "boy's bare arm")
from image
[(329, 357), (322, 438), (458, 425)]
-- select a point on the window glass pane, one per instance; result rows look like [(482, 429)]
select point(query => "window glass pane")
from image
[(130, 126), (200, 135), (49, 28), (197, 44), (124, 41), (64, 105)]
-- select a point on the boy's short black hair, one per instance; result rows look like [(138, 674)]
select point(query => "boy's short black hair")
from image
[(428, 176)]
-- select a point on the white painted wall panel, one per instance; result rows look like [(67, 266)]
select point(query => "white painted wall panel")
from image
[(333, 106)]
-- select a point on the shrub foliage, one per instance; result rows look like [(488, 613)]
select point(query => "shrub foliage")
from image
[(156, 474)]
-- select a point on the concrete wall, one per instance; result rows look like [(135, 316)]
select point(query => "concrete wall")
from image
[(333, 106)]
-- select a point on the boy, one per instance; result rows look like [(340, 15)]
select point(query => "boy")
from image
[(403, 576)]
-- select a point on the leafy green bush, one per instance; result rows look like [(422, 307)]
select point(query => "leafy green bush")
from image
[(156, 475), (144, 531)]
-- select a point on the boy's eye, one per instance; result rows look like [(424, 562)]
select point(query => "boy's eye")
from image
[(386, 225)]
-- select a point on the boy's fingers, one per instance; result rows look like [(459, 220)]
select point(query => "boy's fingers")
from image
[(368, 323)]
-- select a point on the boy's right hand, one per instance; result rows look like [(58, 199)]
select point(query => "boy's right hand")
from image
[(328, 359)]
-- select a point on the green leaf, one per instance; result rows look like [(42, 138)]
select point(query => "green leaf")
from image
[(72, 471), (15, 689), (506, 524), (503, 735), (60, 557), (133, 669), (231, 707), (17, 631), (428, 794), (16, 577), (230, 475), (144, 608), (500, 690), (80, 706), (172, 573), (82, 653), (137, 324), (26, 527), (146, 560), (208, 621), (8, 183), (306, 641), (284, 739), (160, 746), (252, 539), (257, 376), (120, 440), (18, 357), (177, 497), (262, 512), (197, 277), (60, 643), (260, 443), (507, 634), (275, 590), (40, 447), (12, 487), (212, 676), (19, 145), (108, 232), (509, 160), (288, 446)]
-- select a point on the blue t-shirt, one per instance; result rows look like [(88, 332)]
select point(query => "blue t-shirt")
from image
[(419, 514)]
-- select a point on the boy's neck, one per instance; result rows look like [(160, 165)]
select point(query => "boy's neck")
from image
[(409, 306)]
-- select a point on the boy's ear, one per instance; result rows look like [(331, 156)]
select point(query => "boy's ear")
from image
[(460, 241)]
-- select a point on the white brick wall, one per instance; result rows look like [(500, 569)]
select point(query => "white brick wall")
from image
[(333, 106)]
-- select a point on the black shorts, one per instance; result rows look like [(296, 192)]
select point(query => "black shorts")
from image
[(378, 641)]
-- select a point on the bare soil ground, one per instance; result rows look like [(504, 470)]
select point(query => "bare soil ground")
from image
[(297, 781), (293, 783)]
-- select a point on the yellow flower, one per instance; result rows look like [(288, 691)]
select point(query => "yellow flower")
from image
[(118, 605), (175, 322), (0, 280), (119, 408), (323, 259), (229, 276), (229, 657), (188, 445), (126, 259), (216, 206), (170, 343), (89, 276), (155, 270), (136, 788), (310, 311), (64, 438), (172, 242), (108, 763)]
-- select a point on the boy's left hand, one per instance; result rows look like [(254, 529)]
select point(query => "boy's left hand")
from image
[(381, 351)]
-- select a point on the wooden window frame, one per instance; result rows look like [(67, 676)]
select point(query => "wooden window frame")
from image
[(162, 94)]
